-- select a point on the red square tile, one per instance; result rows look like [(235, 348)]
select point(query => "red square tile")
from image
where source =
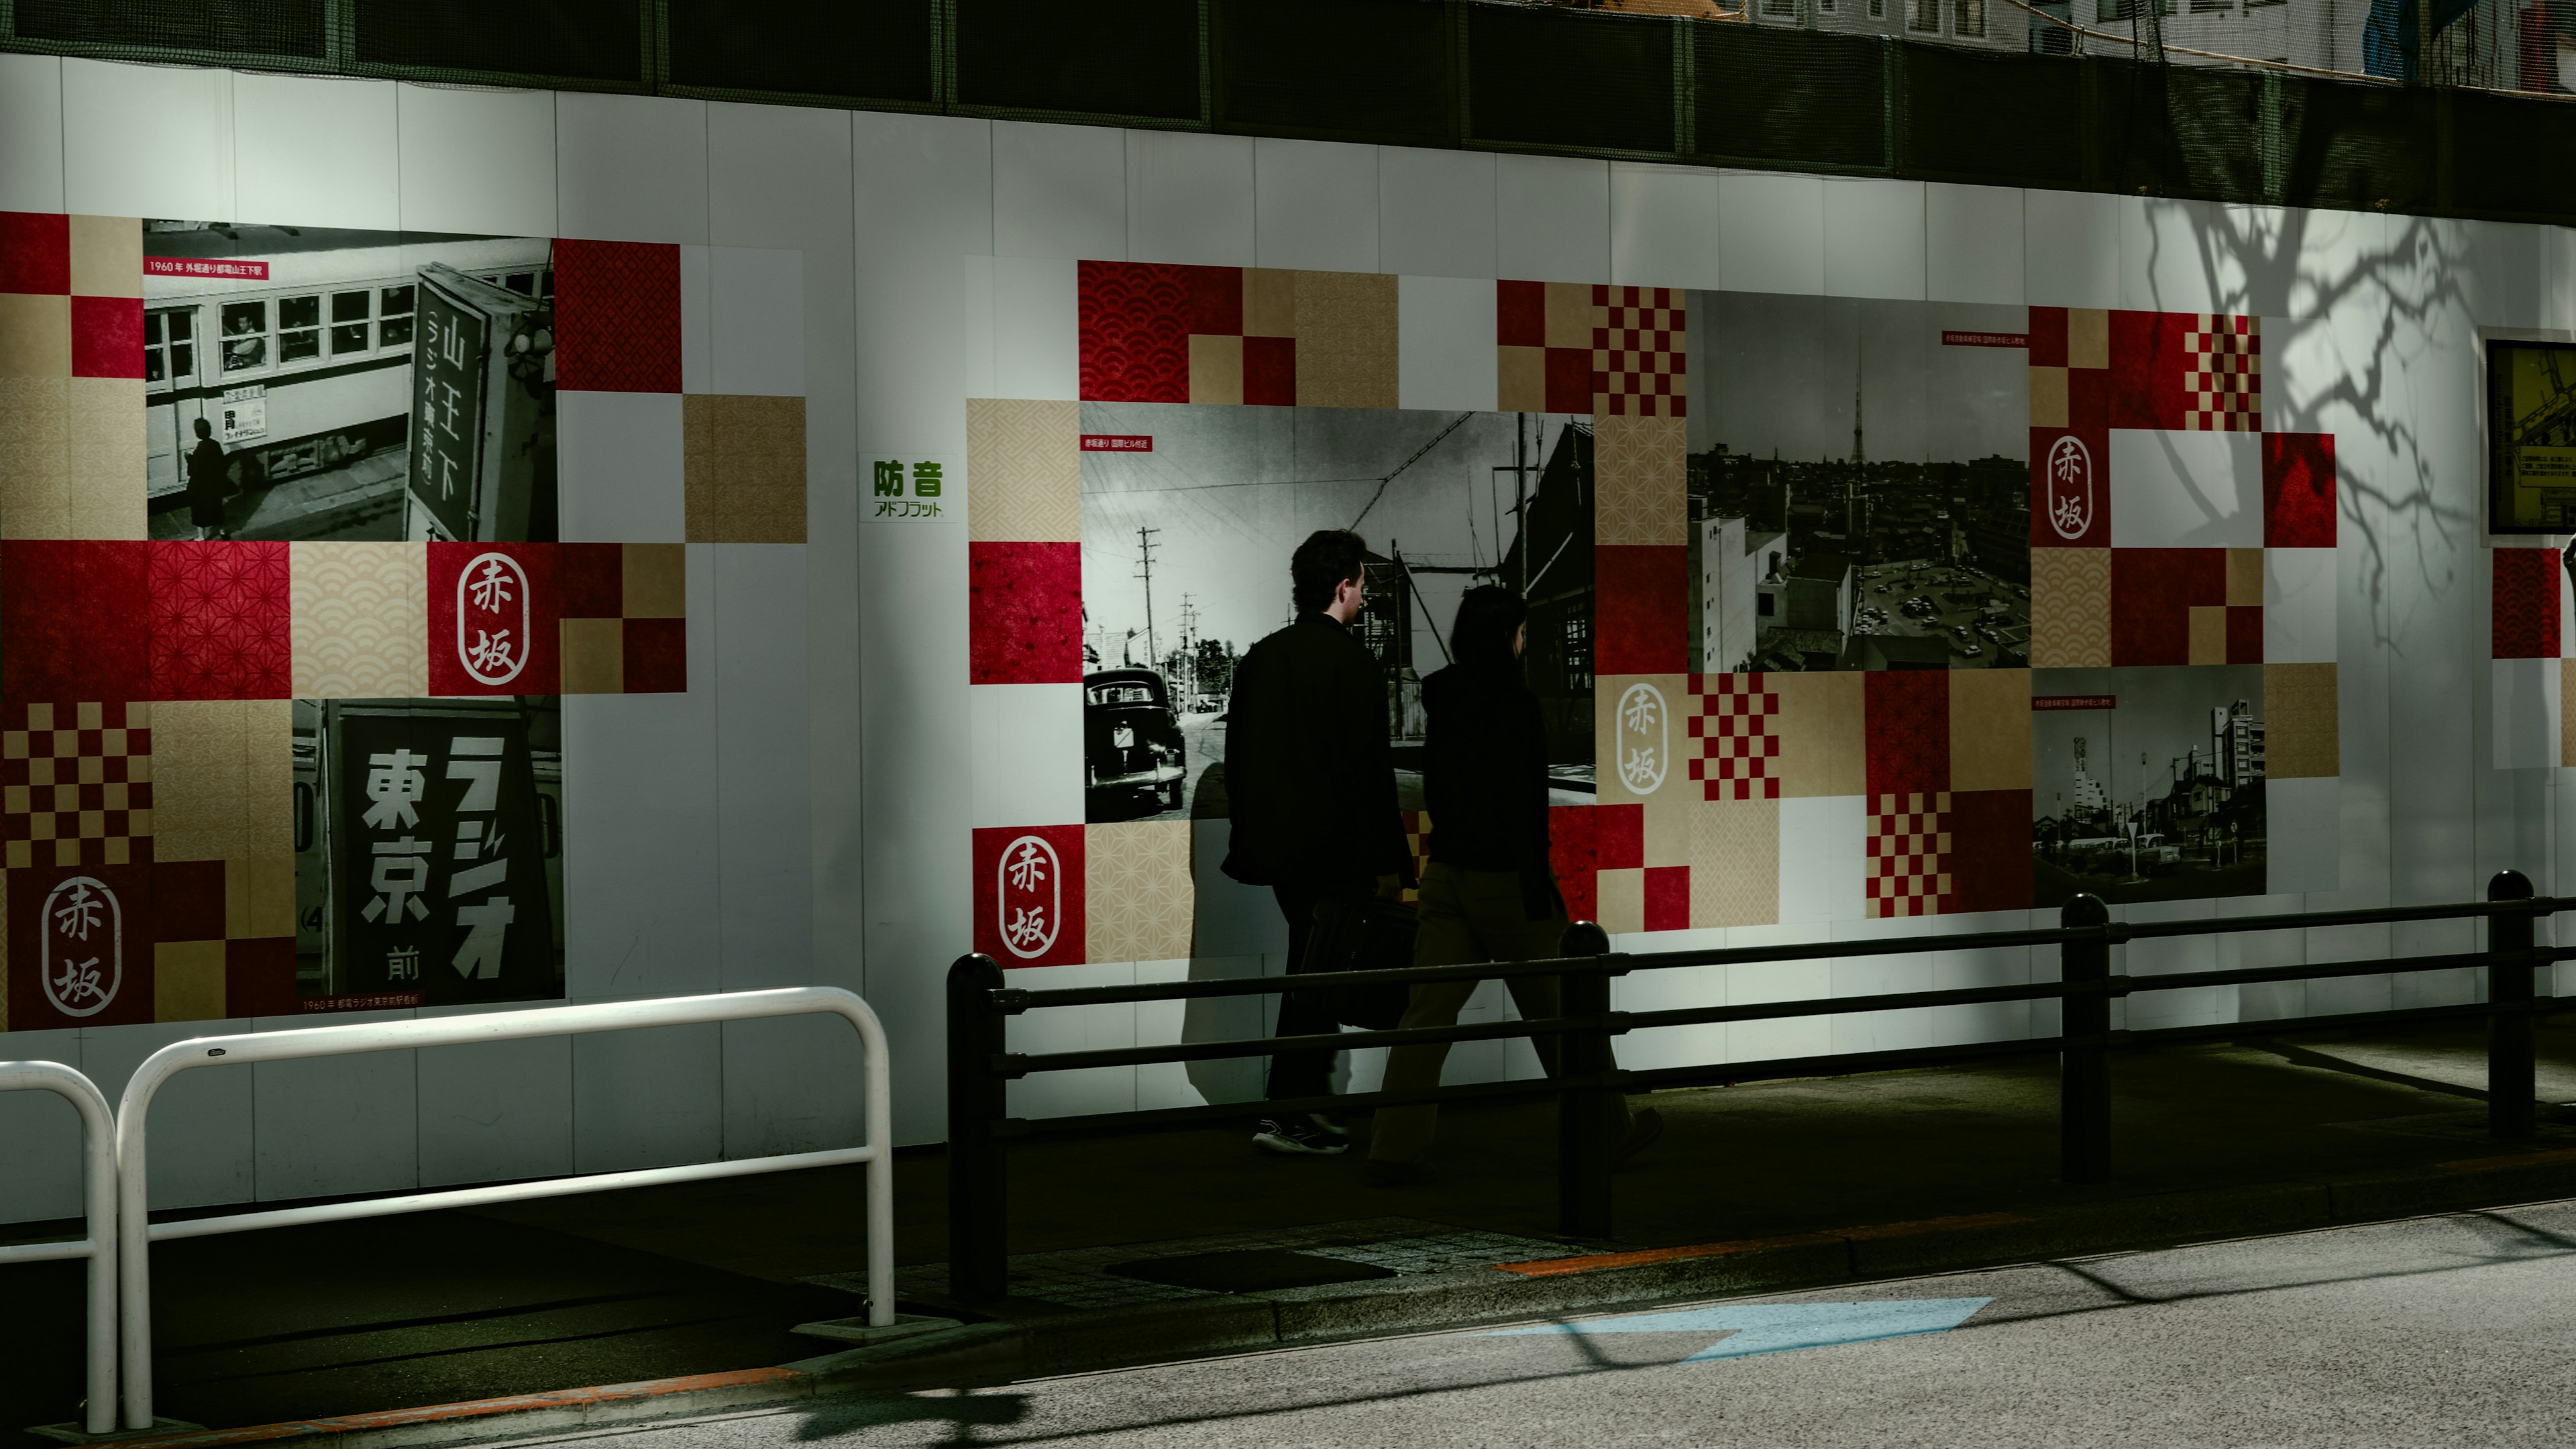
[(1641, 598), (1618, 837), (495, 619), (259, 977), (2047, 329), (221, 620), (1520, 314), (1989, 860), (591, 578), (74, 621), (1570, 380), (1906, 726), (1668, 898), (2153, 591), (2088, 399), (80, 946), (188, 900), (1134, 321), (35, 252), (1028, 894), (107, 337), (2244, 633), (656, 656), (2298, 490), (617, 316), (1570, 854), (1216, 301), (1024, 619), (2526, 603), (1270, 371)]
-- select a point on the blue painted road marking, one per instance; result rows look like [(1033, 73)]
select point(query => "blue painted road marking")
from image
[(1753, 1328)]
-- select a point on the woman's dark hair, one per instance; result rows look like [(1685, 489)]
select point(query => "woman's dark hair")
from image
[(1488, 616), (1322, 564)]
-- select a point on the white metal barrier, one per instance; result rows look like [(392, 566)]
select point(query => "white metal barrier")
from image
[(138, 1231), (98, 1190)]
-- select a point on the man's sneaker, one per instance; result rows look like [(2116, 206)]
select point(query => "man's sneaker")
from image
[(1329, 1127), (1295, 1138)]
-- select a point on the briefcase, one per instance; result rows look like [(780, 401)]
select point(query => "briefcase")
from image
[(1371, 934)]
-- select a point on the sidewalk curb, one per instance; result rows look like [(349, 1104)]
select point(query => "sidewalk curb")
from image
[(1040, 1340)]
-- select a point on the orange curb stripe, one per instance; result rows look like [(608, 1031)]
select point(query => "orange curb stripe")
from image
[(1550, 1267), (2520, 1159), (642, 1389)]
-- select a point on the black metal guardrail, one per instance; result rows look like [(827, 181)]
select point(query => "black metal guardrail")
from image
[(1438, 73), (980, 1065)]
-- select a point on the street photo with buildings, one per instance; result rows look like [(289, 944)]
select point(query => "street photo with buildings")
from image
[(1189, 515), (2147, 784), (1859, 485)]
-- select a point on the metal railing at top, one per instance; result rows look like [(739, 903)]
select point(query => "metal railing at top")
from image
[(980, 1065), (135, 1232), (98, 1240)]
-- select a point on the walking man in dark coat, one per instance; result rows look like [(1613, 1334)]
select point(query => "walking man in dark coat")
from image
[(1312, 792), (207, 483)]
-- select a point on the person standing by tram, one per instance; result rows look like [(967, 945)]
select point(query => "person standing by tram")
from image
[(209, 480)]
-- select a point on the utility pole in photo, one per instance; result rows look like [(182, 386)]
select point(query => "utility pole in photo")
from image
[(1145, 571)]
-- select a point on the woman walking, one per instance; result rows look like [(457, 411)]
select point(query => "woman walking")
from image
[(207, 483), (1489, 893)]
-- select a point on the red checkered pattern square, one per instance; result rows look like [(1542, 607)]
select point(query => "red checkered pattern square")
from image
[(1736, 753), (75, 786), (1639, 352), (2222, 381), (1909, 850)]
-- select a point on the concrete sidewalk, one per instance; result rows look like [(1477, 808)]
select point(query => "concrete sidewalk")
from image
[(1164, 1245)]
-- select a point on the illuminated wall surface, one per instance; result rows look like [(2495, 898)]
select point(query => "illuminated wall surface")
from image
[(460, 549)]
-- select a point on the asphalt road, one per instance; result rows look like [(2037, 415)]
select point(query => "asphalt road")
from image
[(2450, 1331)]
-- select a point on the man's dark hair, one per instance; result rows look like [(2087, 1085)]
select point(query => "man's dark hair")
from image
[(1488, 616), (1320, 564), (205, 429)]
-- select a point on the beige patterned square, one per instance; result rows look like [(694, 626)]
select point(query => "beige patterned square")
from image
[(188, 980), (1823, 746), (594, 656), (2301, 725), (1023, 471), (1520, 379), (201, 780), (103, 457), (1989, 729), (35, 335), (2048, 397), (1269, 302), (1641, 494), (1670, 817), (2206, 637), (2245, 576), (1138, 898), (656, 579), (1216, 374), (2070, 608), (107, 256), (743, 468), (1735, 863), (1570, 315), (1621, 895), (268, 779), (259, 897), (2088, 337), (360, 620), (1346, 340)]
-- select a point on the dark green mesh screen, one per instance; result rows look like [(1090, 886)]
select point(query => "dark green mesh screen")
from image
[(1128, 58), (1973, 116), (865, 49), (245, 27), (1288, 66), (1790, 96), (577, 39), (2359, 148), (1540, 77), (2501, 151)]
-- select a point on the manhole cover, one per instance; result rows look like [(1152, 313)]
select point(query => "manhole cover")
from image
[(1249, 1271)]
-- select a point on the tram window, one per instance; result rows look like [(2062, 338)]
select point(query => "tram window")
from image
[(299, 328), (394, 327), (245, 336), (169, 349), (523, 283), (348, 322)]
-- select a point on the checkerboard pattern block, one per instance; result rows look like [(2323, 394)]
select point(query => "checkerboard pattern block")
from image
[(1574, 348), (1640, 352), (1734, 748), (1909, 850), (1235, 335), (2222, 374), (1417, 848), (76, 785), (71, 376), (624, 618)]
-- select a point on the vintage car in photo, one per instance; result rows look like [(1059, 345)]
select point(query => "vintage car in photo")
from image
[(1131, 739)]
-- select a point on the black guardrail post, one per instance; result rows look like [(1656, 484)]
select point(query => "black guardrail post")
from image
[(1586, 1146), (2084, 1072), (2510, 1075), (979, 1213)]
